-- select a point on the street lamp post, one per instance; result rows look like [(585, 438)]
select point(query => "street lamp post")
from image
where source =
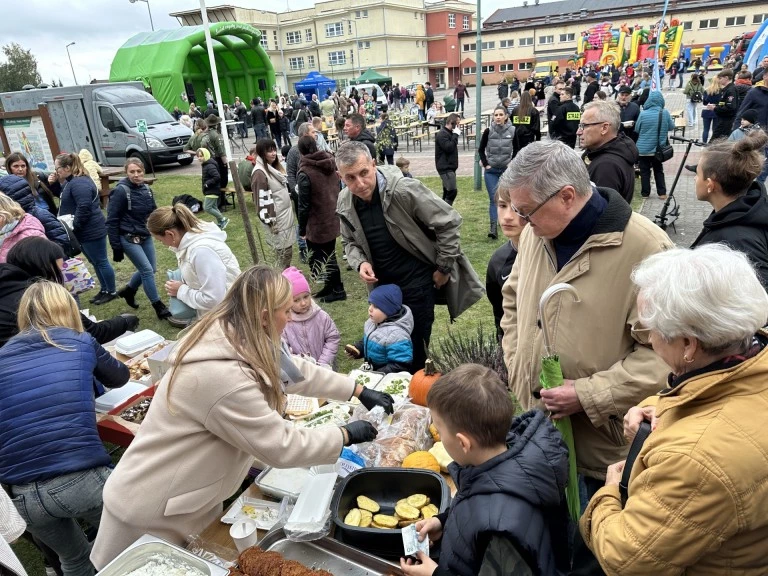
[(478, 176), (70, 61), (151, 24)]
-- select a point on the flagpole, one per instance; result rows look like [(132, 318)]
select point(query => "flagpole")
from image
[(656, 76)]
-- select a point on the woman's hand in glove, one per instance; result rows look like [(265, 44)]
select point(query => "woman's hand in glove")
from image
[(358, 432), (372, 398)]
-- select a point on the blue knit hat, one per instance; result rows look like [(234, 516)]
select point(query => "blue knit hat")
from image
[(388, 298)]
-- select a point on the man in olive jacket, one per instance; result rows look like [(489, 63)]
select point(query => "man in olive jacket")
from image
[(396, 231), (590, 238)]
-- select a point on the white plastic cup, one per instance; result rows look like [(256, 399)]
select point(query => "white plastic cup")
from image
[(244, 534)]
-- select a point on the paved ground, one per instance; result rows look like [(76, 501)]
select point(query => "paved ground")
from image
[(692, 211)]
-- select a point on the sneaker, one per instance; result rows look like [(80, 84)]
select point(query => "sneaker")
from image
[(335, 296), (178, 322), (105, 297), (664, 197), (224, 223), (49, 571)]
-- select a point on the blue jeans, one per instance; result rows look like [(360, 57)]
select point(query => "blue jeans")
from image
[(260, 130), (491, 177), (764, 174), (707, 126), (142, 256), (51, 509), (96, 253)]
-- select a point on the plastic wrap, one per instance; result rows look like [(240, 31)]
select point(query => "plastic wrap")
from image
[(401, 434), (213, 553)]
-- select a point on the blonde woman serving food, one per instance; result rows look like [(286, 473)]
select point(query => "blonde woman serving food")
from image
[(220, 406)]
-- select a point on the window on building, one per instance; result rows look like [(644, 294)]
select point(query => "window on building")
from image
[(488, 68), (470, 70), (334, 29), (311, 61), (526, 41), (293, 37), (759, 18), (710, 23), (506, 43), (525, 66), (736, 21), (546, 39), (451, 20), (296, 63), (361, 14), (567, 37), (264, 39), (366, 45), (506, 67), (688, 25), (415, 15), (489, 45), (422, 15), (349, 27), (470, 47), (465, 22), (337, 58), (274, 35), (308, 34)]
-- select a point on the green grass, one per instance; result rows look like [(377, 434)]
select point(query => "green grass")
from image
[(349, 315)]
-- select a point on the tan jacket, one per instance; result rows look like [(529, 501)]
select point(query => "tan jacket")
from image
[(598, 340), (172, 480), (698, 501)]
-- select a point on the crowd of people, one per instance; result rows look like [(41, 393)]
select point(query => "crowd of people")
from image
[(668, 335)]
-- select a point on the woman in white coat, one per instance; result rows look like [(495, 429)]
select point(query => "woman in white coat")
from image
[(208, 267), (219, 407)]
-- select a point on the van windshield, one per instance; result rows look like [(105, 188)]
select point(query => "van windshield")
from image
[(152, 112)]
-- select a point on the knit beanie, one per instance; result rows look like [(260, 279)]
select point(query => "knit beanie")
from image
[(388, 298), (750, 116), (206, 154), (299, 284)]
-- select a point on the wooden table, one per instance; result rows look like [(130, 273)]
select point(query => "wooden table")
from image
[(111, 175), (465, 125)]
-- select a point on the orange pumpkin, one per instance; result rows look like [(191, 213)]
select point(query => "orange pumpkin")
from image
[(423, 460), (421, 382)]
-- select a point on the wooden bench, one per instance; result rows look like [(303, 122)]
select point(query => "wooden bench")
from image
[(417, 138), (680, 124), (232, 194)]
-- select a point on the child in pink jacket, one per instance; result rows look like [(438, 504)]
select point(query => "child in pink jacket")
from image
[(15, 225), (311, 331)]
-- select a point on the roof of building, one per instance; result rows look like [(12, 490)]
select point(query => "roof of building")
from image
[(566, 10)]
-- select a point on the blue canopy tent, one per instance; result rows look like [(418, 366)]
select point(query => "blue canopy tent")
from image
[(315, 83)]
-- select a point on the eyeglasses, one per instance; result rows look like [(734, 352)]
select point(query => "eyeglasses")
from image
[(527, 217), (582, 125)]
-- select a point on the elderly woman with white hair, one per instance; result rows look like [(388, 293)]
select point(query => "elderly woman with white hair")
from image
[(698, 490)]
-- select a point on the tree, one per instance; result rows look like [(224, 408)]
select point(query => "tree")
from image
[(19, 69)]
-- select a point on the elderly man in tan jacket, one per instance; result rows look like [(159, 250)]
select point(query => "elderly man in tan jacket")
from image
[(590, 238)]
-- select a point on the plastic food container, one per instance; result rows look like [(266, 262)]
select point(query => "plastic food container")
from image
[(117, 396), (282, 482), (138, 342), (386, 486)]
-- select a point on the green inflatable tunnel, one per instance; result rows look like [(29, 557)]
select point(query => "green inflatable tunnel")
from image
[(174, 64)]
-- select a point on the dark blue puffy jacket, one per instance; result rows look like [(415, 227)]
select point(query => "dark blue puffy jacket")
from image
[(81, 198), (47, 407), (18, 189), (518, 496), (121, 220)]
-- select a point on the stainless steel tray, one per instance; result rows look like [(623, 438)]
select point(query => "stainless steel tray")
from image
[(328, 554), (138, 553)]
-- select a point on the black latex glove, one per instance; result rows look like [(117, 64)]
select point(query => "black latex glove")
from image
[(371, 398), (117, 255), (360, 431), (131, 322)]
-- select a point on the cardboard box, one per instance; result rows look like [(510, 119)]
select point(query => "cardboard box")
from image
[(158, 362)]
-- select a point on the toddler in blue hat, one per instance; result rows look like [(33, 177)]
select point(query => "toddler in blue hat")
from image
[(386, 343)]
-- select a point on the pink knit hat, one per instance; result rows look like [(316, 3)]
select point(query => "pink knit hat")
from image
[(297, 280)]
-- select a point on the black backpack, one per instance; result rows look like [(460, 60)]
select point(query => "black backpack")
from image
[(189, 201)]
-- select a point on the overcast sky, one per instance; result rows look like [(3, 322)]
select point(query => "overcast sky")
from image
[(100, 27)]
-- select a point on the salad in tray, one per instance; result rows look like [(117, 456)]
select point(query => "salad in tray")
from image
[(331, 414), (396, 385)]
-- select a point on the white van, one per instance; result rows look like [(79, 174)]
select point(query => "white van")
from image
[(380, 97)]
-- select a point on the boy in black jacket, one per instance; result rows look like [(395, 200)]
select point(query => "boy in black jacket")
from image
[(211, 179), (508, 516)]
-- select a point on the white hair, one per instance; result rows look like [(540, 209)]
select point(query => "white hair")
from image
[(544, 167), (711, 293), (350, 152), (606, 111)]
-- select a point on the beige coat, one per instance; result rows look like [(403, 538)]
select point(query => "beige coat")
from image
[(698, 493), (172, 480), (598, 340)]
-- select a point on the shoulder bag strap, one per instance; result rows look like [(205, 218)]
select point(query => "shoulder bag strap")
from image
[(634, 451), (658, 131)]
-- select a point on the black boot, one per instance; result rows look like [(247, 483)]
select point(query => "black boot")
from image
[(161, 310), (129, 295), (493, 231), (449, 196)]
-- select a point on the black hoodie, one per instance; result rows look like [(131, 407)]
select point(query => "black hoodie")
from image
[(612, 165), (367, 138), (743, 225)]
